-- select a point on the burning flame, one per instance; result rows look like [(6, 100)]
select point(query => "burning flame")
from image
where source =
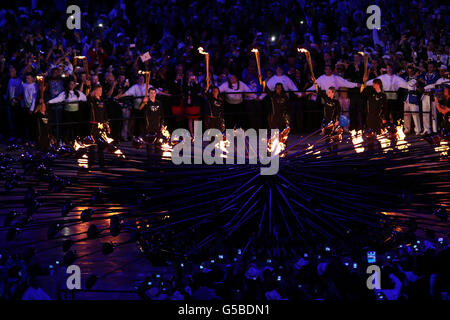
[(119, 153), (103, 133), (276, 145), (165, 132), (80, 145), (77, 146), (316, 152), (442, 148), (254, 50), (223, 145), (357, 141), (83, 162), (166, 151), (202, 51), (402, 144), (384, 141), (303, 50)]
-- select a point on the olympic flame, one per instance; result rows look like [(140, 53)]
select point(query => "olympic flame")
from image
[(276, 145), (223, 145), (310, 147), (402, 144), (103, 133), (83, 161), (165, 133), (357, 140), (442, 148), (384, 141), (119, 153)]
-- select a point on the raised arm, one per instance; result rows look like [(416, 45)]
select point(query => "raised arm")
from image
[(82, 96)]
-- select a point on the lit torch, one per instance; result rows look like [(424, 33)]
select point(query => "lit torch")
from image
[(40, 80), (258, 64), (366, 62), (206, 54), (85, 67), (308, 58)]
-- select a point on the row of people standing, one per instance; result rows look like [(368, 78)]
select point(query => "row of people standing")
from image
[(240, 105)]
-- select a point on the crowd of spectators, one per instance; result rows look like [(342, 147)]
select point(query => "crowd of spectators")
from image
[(410, 270), (412, 43)]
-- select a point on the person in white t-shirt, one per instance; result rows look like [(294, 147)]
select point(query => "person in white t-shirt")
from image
[(232, 91), (329, 79), (391, 84), (29, 102), (136, 124), (279, 77), (71, 112)]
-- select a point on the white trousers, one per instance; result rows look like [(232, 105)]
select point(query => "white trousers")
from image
[(427, 106), (414, 116)]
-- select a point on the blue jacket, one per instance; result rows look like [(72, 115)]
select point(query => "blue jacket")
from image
[(429, 78), (412, 96)]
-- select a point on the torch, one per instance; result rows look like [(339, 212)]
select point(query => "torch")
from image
[(206, 54), (366, 62), (147, 80), (40, 80), (308, 58), (258, 64), (85, 67)]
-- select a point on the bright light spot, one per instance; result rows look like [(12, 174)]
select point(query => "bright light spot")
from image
[(442, 148), (357, 141), (402, 144), (83, 162)]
